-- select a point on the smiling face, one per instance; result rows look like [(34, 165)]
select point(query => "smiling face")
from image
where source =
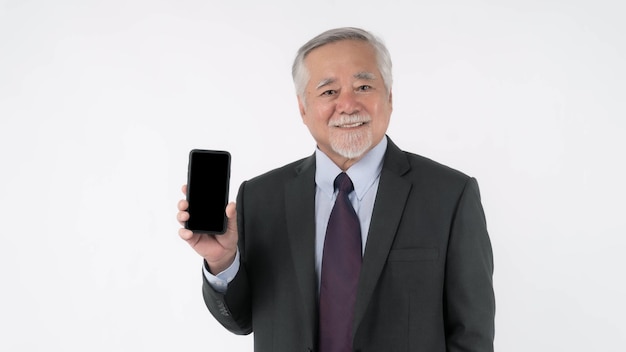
[(345, 104)]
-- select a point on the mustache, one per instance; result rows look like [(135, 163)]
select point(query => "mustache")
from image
[(345, 119)]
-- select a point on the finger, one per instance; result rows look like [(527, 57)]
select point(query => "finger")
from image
[(230, 237), (182, 216), (231, 210), (184, 189), (185, 234), (231, 214), (183, 205)]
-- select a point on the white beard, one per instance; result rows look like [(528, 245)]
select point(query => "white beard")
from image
[(350, 144)]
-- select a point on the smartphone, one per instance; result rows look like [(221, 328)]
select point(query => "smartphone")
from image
[(208, 178)]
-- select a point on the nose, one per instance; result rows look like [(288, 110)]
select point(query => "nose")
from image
[(347, 102)]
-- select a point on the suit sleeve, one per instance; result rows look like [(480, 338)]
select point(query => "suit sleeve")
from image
[(234, 308), (469, 300)]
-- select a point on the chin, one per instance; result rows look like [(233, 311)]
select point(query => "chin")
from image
[(352, 145)]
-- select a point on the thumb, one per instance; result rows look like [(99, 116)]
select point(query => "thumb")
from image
[(231, 214)]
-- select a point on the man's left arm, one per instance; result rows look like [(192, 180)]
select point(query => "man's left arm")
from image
[(469, 298)]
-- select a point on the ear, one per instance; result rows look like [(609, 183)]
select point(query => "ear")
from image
[(301, 107)]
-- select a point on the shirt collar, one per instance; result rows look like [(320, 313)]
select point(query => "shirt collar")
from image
[(363, 173)]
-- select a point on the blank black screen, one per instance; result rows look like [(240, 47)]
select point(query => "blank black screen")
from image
[(207, 190)]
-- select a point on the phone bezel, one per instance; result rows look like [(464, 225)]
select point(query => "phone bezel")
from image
[(226, 187)]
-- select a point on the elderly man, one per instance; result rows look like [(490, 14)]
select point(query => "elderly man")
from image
[(361, 246)]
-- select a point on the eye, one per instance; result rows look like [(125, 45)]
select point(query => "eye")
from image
[(364, 88), (329, 92)]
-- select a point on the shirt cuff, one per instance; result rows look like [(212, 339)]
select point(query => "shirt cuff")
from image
[(220, 281)]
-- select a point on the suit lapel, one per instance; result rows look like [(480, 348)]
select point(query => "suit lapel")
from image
[(391, 197), (300, 218)]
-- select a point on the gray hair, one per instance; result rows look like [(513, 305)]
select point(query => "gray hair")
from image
[(383, 59)]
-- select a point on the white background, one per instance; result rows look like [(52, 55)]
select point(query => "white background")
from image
[(100, 102)]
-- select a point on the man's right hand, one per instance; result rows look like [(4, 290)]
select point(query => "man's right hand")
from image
[(218, 250)]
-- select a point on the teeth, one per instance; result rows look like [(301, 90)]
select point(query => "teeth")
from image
[(351, 125)]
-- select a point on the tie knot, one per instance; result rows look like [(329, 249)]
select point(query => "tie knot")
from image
[(343, 183)]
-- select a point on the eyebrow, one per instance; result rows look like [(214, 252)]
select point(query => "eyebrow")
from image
[(359, 75), (365, 75), (325, 82)]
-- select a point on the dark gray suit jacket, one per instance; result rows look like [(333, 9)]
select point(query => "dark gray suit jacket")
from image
[(426, 279)]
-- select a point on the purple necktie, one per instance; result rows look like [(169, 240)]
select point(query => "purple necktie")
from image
[(341, 264)]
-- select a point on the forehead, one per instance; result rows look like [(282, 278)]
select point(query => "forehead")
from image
[(345, 55)]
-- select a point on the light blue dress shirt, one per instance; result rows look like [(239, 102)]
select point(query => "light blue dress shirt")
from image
[(365, 175)]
